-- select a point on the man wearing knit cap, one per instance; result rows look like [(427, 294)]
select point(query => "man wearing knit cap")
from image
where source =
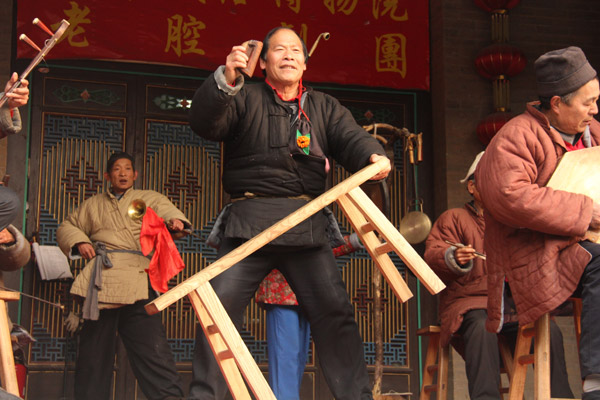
[(463, 304), (534, 236)]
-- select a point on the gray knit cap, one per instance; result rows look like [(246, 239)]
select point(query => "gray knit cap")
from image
[(562, 71)]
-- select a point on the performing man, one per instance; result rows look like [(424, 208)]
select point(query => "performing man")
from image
[(277, 136), (534, 234), (115, 286), (463, 304)]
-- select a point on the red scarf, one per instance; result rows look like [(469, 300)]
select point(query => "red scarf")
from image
[(166, 261)]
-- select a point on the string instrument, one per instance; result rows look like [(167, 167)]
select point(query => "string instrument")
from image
[(49, 44)]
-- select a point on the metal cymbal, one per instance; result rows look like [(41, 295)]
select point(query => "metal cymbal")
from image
[(415, 227)]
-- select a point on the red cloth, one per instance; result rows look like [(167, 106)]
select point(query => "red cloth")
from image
[(166, 261), (274, 289), (577, 146)]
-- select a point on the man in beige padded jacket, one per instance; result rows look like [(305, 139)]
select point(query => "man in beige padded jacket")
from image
[(116, 287)]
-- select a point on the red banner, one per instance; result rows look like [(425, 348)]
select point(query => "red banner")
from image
[(372, 42)]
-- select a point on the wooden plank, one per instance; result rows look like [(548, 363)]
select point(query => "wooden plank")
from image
[(443, 357), (405, 251), (8, 295), (372, 243), (431, 359), (578, 172), (429, 330), (230, 371), (8, 374), (234, 342), (265, 237), (517, 384), (541, 370)]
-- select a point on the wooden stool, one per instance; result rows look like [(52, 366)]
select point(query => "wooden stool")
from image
[(8, 374), (540, 329), (232, 355), (436, 364)]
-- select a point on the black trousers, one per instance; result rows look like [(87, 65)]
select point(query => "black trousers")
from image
[(147, 348), (9, 206), (313, 275), (482, 358), (589, 289)]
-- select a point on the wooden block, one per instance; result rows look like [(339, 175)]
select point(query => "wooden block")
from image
[(430, 388), (529, 331), (384, 248), (432, 369), (212, 329), (366, 228), (526, 359), (224, 355)]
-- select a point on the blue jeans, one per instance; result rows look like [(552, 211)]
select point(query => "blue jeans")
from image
[(288, 338)]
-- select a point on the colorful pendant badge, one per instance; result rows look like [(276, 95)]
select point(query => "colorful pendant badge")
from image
[(303, 135)]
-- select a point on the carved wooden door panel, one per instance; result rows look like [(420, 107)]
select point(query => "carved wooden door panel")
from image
[(79, 117)]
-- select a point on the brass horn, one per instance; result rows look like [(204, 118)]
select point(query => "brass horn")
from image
[(136, 209)]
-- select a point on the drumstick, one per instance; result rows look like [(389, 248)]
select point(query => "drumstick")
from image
[(459, 245)]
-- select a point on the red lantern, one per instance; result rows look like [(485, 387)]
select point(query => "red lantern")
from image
[(493, 5), (490, 125), (500, 60)]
